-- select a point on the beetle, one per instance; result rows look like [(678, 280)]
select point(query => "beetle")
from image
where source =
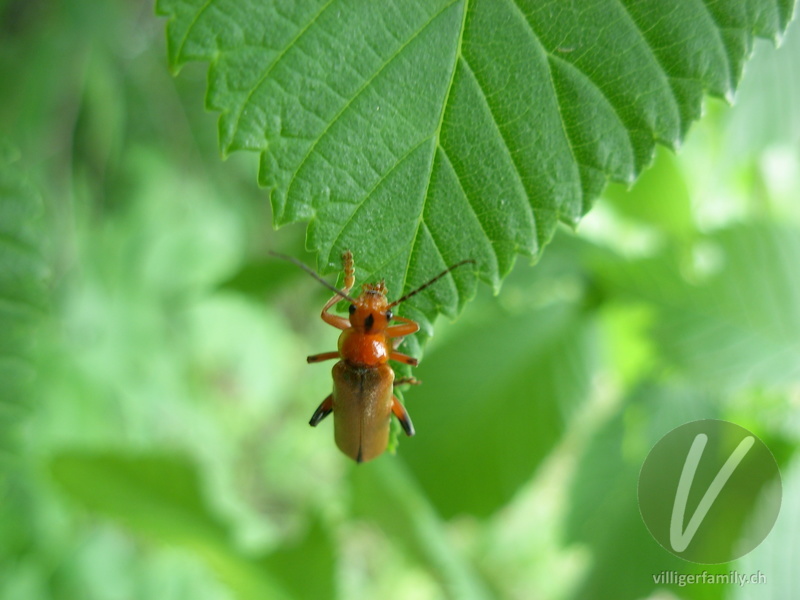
[(363, 399)]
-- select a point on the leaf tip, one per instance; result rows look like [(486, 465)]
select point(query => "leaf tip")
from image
[(730, 95)]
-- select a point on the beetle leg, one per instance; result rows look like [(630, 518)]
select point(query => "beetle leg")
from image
[(402, 415), (349, 280), (323, 410), (335, 320), (406, 381), (403, 358), (315, 358), (407, 328)]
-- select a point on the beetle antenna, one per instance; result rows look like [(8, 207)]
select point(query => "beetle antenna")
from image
[(431, 282), (313, 273)]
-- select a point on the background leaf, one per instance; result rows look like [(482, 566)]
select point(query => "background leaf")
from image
[(604, 512), (659, 198), (515, 412), (418, 133), (386, 495), (161, 496), (777, 554), (22, 298), (158, 495), (740, 296)]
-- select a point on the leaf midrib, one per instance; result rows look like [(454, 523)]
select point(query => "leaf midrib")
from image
[(364, 86), (436, 135)]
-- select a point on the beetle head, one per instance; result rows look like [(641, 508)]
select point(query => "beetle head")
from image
[(370, 312)]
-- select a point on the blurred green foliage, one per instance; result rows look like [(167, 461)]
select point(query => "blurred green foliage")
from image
[(162, 450)]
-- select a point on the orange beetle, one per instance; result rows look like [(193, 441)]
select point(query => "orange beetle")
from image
[(363, 400)]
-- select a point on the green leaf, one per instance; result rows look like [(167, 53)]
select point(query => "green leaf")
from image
[(776, 554), (768, 103), (603, 507), (305, 568), (732, 318), (22, 273), (422, 132), (490, 423), (384, 493), (161, 496)]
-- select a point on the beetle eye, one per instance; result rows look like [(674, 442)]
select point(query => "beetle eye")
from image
[(389, 315), (352, 308)]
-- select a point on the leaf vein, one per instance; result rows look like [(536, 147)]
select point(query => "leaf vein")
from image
[(651, 49), (358, 93), (437, 136), (510, 154), (277, 61), (360, 203), (450, 275), (563, 124), (718, 29), (469, 203), (625, 128), (195, 19)]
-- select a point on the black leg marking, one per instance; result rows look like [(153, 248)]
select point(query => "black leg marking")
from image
[(323, 410), (407, 425), (402, 415)]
